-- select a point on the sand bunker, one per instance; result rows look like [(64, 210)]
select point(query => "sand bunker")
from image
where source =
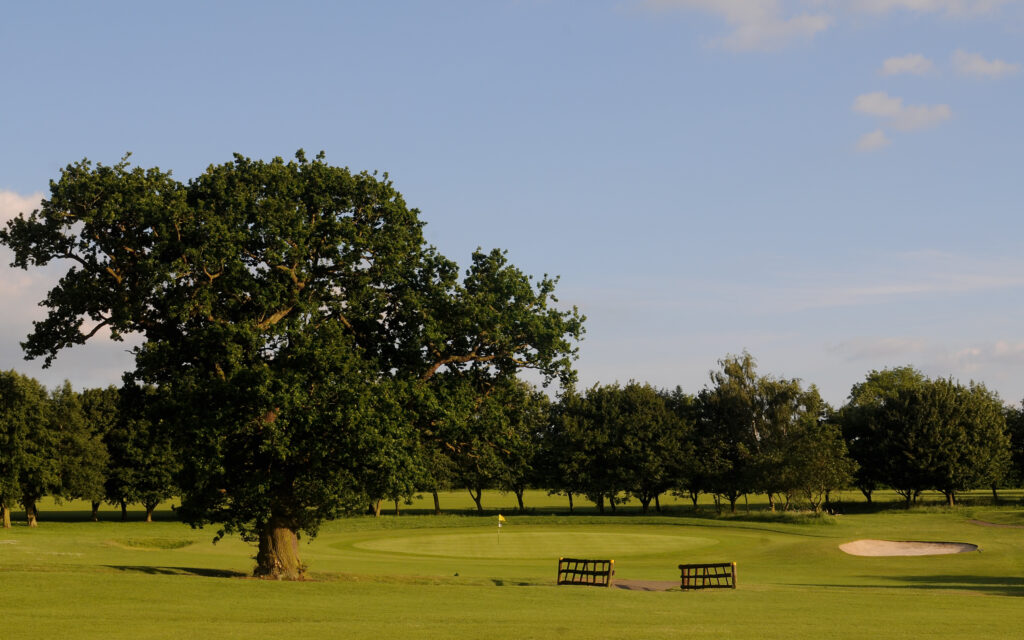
[(894, 548)]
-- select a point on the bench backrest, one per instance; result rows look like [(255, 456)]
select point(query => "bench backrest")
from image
[(594, 573), (719, 575)]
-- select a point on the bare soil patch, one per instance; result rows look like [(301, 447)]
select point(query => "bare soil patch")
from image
[(905, 548), (645, 585)]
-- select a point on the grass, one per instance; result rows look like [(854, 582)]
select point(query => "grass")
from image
[(418, 575)]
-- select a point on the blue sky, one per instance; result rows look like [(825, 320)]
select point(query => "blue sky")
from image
[(834, 186)]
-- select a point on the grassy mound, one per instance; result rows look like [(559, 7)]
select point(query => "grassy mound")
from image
[(157, 543)]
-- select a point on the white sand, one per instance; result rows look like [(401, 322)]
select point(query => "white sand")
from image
[(893, 548)]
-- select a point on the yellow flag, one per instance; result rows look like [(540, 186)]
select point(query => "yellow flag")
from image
[(501, 518)]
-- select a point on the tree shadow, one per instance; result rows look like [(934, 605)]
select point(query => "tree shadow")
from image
[(996, 585), (991, 585), (510, 583), (104, 515), (179, 571)]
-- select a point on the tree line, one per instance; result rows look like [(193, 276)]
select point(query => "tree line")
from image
[(98, 445), (742, 434)]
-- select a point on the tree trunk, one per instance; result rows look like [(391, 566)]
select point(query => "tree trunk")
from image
[(694, 496), (150, 507), (950, 498), (124, 511), (30, 513), (600, 503), (732, 502), (611, 501), (995, 495), (95, 512), (771, 502), (569, 493), (519, 497), (278, 554), (397, 512), (645, 503), (5, 512), (867, 494), (437, 503), (746, 503), (376, 508), (477, 494), (657, 504)]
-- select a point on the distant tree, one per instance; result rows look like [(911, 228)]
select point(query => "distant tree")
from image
[(728, 426), (690, 478), (967, 436), (816, 458), (747, 428), (919, 434), (143, 459), (27, 464), (30, 458), (491, 431), (528, 411), (783, 410), (563, 467), (585, 459), (867, 426), (81, 453), (1015, 429), (100, 407), (653, 443)]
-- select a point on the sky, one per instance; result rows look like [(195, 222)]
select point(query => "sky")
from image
[(833, 186)]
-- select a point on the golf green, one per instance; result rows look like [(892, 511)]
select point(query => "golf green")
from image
[(537, 542)]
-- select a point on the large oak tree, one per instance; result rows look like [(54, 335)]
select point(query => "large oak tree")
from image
[(292, 316)]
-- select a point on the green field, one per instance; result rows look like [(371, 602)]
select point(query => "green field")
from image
[(419, 575)]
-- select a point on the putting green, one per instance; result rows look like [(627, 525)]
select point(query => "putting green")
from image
[(548, 543)]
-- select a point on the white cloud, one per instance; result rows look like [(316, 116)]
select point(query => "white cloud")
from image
[(873, 141), (912, 63), (949, 7), (974, 64), (11, 204), (758, 25), (900, 116)]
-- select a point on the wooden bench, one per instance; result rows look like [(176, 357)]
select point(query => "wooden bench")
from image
[(593, 573), (720, 575)]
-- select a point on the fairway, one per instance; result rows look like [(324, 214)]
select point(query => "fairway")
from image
[(426, 576)]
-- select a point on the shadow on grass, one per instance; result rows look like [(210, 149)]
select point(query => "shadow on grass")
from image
[(511, 583), (44, 516), (178, 571), (996, 585), (991, 585)]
